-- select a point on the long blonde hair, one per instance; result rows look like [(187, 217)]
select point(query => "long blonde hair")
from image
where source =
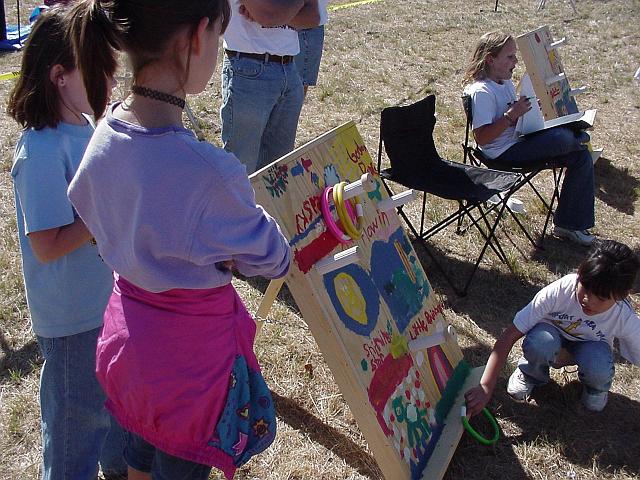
[(489, 44)]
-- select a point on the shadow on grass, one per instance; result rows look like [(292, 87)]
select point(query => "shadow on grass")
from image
[(615, 186), (493, 297), (24, 360), (284, 295), (473, 460), (331, 438), (607, 440)]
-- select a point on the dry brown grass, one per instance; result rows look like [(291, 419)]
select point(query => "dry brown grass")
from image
[(376, 55)]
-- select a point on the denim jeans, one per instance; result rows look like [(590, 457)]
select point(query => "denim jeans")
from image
[(542, 344), (308, 60), (144, 457), (564, 148), (77, 430), (261, 103)]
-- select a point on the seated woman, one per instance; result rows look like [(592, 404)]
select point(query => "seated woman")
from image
[(496, 110)]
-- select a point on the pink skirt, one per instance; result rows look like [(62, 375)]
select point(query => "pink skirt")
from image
[(179, 370)]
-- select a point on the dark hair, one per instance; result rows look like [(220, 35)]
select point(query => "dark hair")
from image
[(34, 100), (141, 28), (610, 270)]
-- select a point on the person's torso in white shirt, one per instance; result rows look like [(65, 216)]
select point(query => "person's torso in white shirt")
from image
[(243, 35)]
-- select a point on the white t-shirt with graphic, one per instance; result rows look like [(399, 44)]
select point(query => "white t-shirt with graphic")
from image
[(243, 35), (557, 305), (490, 100)]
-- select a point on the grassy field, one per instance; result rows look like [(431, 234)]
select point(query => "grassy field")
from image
[(376, 55)]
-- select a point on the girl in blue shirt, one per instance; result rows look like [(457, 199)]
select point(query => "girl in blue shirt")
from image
[(67, 285)]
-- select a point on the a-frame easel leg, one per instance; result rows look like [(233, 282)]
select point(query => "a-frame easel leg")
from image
[(267, 302)]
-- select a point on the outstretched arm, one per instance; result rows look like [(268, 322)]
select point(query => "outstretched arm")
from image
[(478, 396), (488, 133), (270, 13)]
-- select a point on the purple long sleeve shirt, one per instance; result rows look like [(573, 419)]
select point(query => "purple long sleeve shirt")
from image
[(166, 209)]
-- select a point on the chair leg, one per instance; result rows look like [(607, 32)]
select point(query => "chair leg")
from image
[(424, 207), (524, 230), (420, 238), (487, 243), (489, 237), (557, 177), (435, 261)]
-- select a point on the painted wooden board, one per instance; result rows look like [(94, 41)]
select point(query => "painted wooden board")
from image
[(363, 315), (544, 66), (451, 435)]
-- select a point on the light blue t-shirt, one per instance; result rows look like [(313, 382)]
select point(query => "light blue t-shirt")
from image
[(66, 296)]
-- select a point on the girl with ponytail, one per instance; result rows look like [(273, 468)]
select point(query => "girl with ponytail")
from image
[(171, 216)]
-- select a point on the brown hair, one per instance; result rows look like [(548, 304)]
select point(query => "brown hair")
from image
[(489, 44), (141, 28), (34, 100)]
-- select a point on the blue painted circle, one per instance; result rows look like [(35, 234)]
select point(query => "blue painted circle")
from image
[(369, 293)]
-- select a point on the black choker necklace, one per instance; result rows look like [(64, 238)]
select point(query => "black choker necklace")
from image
[(156, 95)]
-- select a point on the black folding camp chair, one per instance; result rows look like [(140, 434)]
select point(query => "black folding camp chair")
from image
[(406, 136), (475, 157)]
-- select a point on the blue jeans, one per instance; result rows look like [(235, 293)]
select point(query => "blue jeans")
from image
[(563, 148), (77, 430), (261, 103), (542, 344), (144, 457), (308, 60)]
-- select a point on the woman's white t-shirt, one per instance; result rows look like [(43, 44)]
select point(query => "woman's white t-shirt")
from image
[(490, 102)]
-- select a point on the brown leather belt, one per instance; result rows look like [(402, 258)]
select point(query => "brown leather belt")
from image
[(264, 57)]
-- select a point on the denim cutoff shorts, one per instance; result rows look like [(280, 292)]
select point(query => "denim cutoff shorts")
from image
[(142, 456)]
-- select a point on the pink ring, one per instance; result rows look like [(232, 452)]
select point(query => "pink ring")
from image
[(328, 218)]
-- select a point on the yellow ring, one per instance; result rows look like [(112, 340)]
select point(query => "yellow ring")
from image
[(345, 220)]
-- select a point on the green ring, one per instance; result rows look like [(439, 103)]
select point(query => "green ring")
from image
[(479, 437)]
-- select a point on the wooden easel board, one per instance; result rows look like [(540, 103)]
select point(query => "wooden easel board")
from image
[(363, 315), (543, 64)]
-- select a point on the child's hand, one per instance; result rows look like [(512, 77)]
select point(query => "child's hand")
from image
[(229, 265), (519, 108), (477, 398)]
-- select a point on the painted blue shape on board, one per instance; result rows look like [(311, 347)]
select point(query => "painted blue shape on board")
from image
[(369, 293), (401, 293), (331, 176), (297, 170)]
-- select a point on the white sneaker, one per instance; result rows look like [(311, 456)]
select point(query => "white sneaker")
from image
[(581, 237), (519, 386), (594, 402)]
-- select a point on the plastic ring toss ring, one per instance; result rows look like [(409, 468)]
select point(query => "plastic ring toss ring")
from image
[(341, 207), (476, 435), (331, 224)]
